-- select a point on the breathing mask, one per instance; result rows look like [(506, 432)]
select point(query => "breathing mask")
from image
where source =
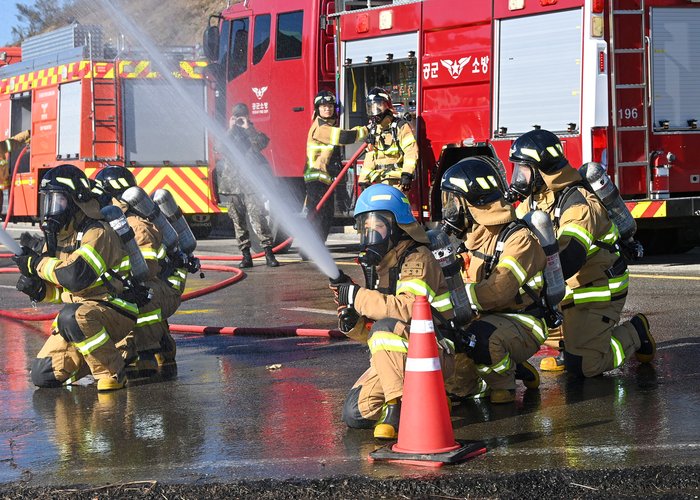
[(58, 211), (456, 217), (377, 232)]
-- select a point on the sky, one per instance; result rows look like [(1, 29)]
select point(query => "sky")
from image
[(8, 19)]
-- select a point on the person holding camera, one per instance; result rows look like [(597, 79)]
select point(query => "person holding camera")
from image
[(243, 199)]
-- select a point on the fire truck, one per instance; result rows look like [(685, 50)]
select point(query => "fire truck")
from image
[(92, 105), (616, 80)]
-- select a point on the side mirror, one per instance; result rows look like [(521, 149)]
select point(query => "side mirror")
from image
[(210, 43)]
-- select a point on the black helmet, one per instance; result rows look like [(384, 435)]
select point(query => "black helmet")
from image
[(324, 97), (473, 181), (62, 187), (115, 179), (378, 104), (540, 149)]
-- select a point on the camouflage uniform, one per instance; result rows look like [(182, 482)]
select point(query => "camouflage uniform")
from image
[(243, 198)]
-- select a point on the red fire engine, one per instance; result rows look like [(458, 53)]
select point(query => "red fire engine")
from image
[(93, 105), (614, 79)]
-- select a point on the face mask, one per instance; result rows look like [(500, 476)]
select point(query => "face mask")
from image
[(521, 181)]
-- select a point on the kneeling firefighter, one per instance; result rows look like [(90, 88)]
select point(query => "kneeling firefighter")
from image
[(399, 266), (150, 343), (505, 278), (87, 258), (596, 275)]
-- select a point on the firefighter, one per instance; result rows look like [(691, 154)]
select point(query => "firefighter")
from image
[(87, 259), (323, 162), (151, 334), (243, 199), (504, 278), (394, 150), (596, 275), (7, 146), (395, 253)]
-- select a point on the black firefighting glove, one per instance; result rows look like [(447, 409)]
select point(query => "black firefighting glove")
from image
[(347, 318), (406, 180), (27, 262), (346, 294), (345, 282), (33, 286)]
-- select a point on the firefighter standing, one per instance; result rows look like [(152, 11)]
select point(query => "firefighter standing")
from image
[(504, 257), (7, 146), (243, 199), (323, 162), (596, 275), (151, 334), (87, 259), (394, 150), (400, 266)]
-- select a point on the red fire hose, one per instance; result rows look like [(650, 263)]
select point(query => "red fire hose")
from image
[(205, 330), (12, 188)]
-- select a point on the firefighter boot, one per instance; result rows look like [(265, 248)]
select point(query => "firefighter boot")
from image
[(112, 383), (526, 372), (270, 257), (388, 425), (501, 396), (648, 348), (247, 259), (553, 364), (148, 365)]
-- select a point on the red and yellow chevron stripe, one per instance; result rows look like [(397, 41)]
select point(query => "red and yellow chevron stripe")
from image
[(647, 209), (188, 185), (81, 69)]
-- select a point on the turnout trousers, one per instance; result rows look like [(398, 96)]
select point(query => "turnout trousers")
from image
[(83, 341), (383, 380), (594, 342), (501, 343)]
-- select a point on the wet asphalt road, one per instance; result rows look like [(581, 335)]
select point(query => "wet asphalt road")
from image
[(223, 416)]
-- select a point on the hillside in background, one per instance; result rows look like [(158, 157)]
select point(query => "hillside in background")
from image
[(167, 22)]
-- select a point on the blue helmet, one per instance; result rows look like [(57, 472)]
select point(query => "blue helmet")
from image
[(383, 197)]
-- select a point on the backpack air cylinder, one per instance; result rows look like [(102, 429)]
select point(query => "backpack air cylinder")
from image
[(607, 192), (172, 212), (444, 253), (140, 203), (117, 220), (540, 224)]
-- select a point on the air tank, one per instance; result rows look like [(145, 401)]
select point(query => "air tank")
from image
[(607, 192), (443, 251), (540, 224), (143, 206), (172, 212), (117, 220)]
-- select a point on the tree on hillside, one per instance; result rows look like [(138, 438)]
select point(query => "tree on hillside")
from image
[(39, 16)]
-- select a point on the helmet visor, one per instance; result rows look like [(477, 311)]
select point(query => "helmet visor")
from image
[(521, 181), (374, 227), (452, 204), (376, 107), (55, 203)]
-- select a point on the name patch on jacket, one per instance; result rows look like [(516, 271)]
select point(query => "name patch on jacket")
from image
[(412, 269)]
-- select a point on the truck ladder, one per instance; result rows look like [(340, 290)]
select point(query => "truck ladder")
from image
[(630, 99), (107, 106)]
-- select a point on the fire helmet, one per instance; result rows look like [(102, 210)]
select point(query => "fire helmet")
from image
[(533, 153), (62, 187), (115, 179), (379, 213), (472, 182), (378, 104), (324, 97)]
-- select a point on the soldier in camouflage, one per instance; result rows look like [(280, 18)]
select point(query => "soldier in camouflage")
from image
[(243, 199)]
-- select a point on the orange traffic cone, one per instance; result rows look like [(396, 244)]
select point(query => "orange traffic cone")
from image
[(425, 429)]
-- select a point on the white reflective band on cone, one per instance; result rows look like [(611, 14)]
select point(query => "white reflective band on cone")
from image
[(422, 326), (423, 364)]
